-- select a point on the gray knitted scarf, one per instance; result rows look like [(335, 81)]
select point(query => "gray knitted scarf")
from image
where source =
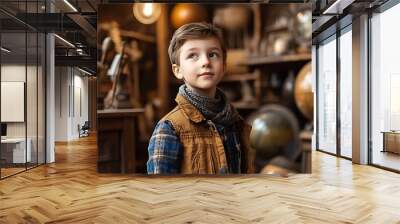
[(217, 109)]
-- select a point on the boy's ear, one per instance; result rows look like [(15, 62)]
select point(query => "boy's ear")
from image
[(175, 70)]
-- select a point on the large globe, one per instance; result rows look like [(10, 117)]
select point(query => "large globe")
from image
[(274, 132), (184, 13), (232, 17), (280, 165), (288, 90), (303, 94)]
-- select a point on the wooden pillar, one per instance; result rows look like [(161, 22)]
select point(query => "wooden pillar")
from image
[(163, 64), (92, 84)]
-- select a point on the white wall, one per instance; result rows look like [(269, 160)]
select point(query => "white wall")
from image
[(61, 103), (10, 73), (80, 110), (15, 72), (71, 94), (34, 124)]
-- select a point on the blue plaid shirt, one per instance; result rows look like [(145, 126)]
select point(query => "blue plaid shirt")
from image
[(166, 151)]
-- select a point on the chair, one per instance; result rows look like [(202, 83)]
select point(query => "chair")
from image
[(84, 130)]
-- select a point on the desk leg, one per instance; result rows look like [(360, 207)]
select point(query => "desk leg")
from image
[(384, 142)]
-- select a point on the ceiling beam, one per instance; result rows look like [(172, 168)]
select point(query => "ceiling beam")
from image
[(86, 26), (337, 7), (82, 61)]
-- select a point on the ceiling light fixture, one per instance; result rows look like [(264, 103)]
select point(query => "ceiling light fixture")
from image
[(146, 13), (65, 41), (337, 7), (70, 5), (5, 50)]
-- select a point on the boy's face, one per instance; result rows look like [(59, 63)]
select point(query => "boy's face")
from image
[(201, 65)]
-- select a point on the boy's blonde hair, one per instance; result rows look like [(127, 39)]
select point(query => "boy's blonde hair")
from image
[(193, 31)]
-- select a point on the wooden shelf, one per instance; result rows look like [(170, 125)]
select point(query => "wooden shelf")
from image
[(276, 29), (228, 78), (245, 105), (239, 77), (277, 59)]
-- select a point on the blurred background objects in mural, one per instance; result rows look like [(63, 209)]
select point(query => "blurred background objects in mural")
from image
[(268, 77)]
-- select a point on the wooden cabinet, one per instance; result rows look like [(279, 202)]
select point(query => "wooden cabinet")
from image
[(275, 65), (117, 140), (269, 60), (391, 141), (275, 72)]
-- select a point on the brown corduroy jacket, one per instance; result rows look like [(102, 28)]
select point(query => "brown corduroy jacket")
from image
[(203, 149)]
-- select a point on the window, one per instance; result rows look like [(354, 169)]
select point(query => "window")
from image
[(346, 92), (385, 89), (327, 95)]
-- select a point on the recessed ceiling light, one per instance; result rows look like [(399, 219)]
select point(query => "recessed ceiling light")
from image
[(70, 5), (5, 50), (337, 7), (65, 41), (84, 71)]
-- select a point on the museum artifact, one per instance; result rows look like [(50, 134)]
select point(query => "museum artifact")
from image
[(301, 29), (183, 13), (303, 94), (275, 132), (288, 90)]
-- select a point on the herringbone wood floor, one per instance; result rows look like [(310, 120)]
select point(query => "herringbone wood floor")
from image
[(71, 191)]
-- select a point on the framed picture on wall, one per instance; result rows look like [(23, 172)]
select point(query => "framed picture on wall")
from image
[(12, 101)]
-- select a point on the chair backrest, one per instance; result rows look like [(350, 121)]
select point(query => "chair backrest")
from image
[(86, 125)]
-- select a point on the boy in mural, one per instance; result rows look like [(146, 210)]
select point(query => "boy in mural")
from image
[(203, 134)]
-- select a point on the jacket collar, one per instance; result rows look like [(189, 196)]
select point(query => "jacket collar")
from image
[(190, 111)]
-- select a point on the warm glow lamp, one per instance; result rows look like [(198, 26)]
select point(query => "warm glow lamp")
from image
[(146, 13)]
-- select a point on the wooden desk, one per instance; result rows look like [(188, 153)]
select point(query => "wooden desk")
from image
[(116, 140), (13, 150), (16, 147), (391, 141)]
